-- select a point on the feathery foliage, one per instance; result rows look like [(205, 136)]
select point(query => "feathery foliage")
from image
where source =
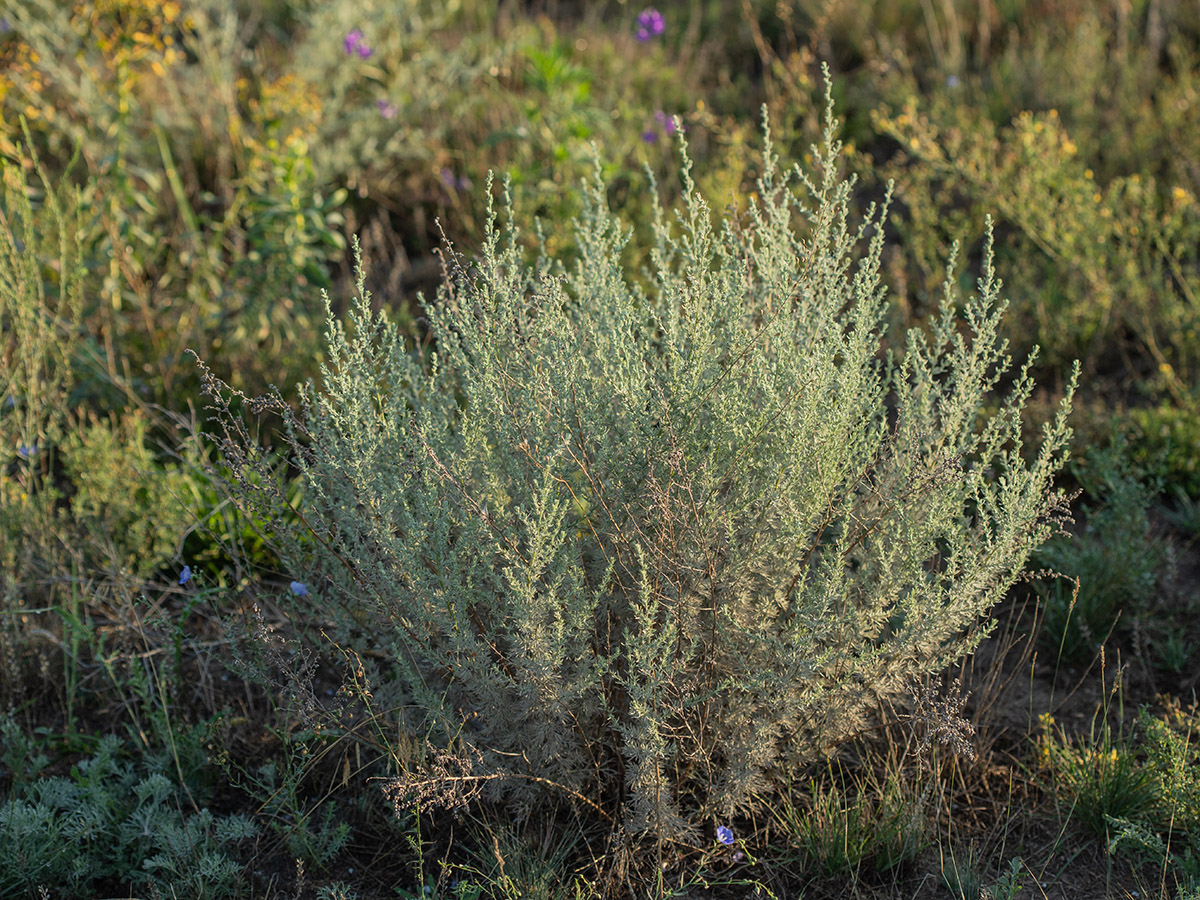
[(640, 540), (111, 822)]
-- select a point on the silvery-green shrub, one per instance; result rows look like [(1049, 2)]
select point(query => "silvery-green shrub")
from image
[(644, 540)]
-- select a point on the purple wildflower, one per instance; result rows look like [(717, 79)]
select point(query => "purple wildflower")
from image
[(299, 588), (650, 24), (724, 835), (667, 123), (662, 123), (386, 109), (5, 25), (186, 575), (26, 450), (356, 43)]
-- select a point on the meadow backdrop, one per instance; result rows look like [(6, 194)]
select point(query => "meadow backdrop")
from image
[(489, 448)]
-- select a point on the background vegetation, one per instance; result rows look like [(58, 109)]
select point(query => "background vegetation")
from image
[(190, 175)]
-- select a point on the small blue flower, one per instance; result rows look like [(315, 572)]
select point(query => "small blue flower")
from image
[(26, 450), (186, 575), (299, 588), (387, 110), (724, 835), (952, 81)]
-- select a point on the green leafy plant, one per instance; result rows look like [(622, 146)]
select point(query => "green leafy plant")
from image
[(201, 195), (963, 875), (310, 831), (637, 548), (112, 823), (1186, 514), (1114, 558), (1098, 776), (1169, 836), (1007, 885), (132, 505), (336, 891), (1137, 840), (1097, 265), (21, 757)]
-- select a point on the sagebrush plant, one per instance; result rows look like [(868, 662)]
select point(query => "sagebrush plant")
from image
[(641, 549)]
